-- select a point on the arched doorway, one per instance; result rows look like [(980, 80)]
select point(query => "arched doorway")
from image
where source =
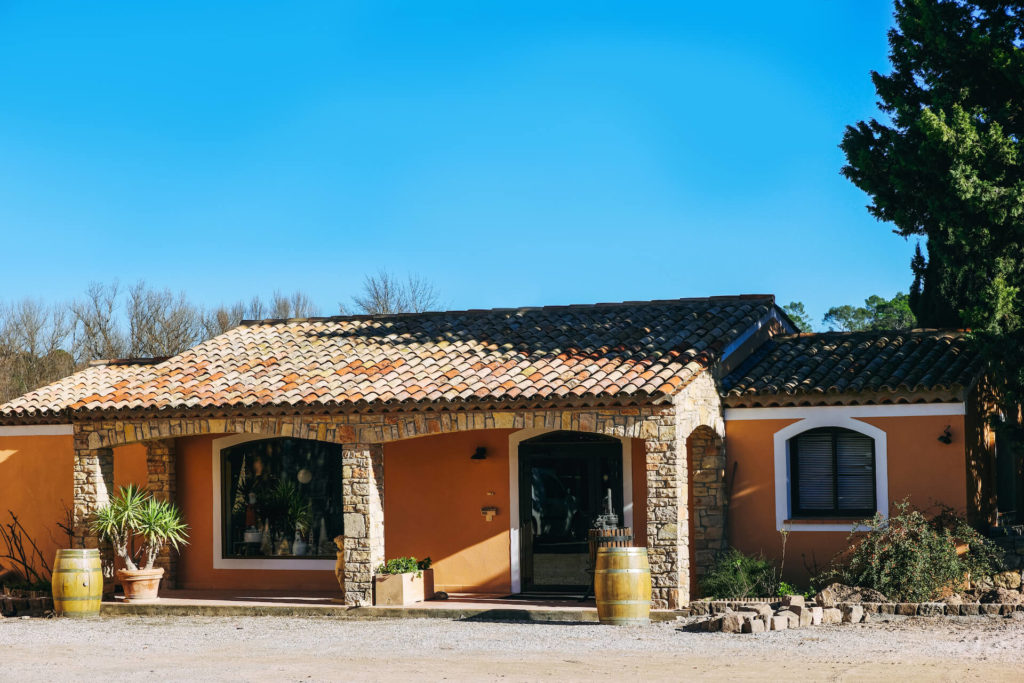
[(568, 483)]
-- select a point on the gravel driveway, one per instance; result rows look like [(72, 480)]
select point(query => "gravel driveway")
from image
[(277, 648)]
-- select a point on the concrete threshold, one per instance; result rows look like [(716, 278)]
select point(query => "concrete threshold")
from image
[(499, 614)]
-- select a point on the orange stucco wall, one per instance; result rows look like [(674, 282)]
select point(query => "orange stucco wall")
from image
[(195, 566), (433, 493), (919, 468), (36, 484)]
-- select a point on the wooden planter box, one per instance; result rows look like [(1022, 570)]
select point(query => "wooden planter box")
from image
[(403, 589)]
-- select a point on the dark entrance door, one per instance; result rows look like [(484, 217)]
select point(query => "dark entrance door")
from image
[(566, 480)]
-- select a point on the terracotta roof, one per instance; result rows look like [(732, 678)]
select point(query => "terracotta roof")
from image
[(814, 367), (631, 350)]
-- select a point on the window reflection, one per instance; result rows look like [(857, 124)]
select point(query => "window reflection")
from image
[(282, 498)]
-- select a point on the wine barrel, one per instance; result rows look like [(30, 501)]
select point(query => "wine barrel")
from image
[(622, 586), (77, 583)]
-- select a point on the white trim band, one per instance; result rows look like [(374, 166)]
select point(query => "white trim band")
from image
[(801, 412), (37, 430)]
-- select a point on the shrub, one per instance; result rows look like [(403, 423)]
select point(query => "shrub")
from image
[(739, 576), (400, 565), (911, 558)]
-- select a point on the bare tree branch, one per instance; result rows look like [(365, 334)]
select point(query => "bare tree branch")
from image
[(384, 293)]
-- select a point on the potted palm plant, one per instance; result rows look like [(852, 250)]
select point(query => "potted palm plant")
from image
[(135, 515)]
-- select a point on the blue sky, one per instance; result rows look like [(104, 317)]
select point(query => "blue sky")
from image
[(514, 153)]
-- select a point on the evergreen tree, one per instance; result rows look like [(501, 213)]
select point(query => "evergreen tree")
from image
[(946, 163)]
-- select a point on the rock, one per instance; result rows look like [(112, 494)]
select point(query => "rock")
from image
[(907, 609), (817, 614), (1002, 596), (1006, 580), (832, 595), (831, 615), (793, 601), (954, 599), (732, 622), (991, 609), (755, 625), (1016, 616), (764, 611), (984, 582), (792, 619), (803, 614), (852, 614), (867, 618), (780, 622), (930, 609)]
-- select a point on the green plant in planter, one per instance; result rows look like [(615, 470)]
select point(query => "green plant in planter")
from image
[(135, 513), (401, 565)]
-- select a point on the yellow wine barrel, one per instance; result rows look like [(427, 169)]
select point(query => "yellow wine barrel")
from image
[(77, 583), (622, 586)]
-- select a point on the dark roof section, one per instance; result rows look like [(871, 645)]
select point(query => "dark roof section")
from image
[(603, 353), (851, 367)]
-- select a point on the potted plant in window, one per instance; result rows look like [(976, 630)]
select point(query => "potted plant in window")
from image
[(135, 515), (403, 580), (300, 514)]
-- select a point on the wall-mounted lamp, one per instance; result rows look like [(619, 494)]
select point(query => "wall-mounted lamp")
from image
[(479, 454), (947, 436)]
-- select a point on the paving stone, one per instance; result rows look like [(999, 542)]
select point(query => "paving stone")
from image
[(852, 614), (755, 625), (793, 601), (831, 615), (804, 614), (907, 609)]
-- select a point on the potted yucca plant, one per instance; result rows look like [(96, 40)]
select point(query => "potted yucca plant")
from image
[(135, 515)]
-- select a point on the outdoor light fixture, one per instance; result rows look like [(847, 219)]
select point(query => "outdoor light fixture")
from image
[(947, 436), (479, 454)]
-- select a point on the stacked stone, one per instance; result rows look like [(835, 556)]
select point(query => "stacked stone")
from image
[(162, 483), (707, 491), (25, 604), (362, 490), (664, 429)]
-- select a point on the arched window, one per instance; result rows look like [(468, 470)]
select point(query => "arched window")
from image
[(281, 498), (832, 472)]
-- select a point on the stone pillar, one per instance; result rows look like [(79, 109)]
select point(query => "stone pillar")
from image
[(363, 507), (93, 487), (162, 483), (666, 513), (708, 499)]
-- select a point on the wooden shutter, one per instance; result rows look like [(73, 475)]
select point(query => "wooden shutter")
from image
[(815, 476), (855, 463)]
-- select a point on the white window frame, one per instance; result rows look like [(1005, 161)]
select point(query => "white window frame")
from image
[(261, 564), (783, 481), (846, 417)]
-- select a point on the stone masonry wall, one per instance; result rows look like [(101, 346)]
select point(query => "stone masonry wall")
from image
[(698, 410), (93, 479), (363, 508), (162, 483), (708, 499), (664, 428)]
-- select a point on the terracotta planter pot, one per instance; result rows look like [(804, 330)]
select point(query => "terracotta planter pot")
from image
[(141, 585)]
